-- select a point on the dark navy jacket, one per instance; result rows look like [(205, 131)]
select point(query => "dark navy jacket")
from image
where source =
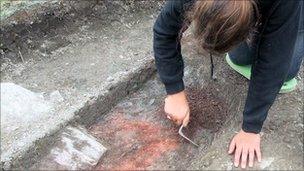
[(276, 40)]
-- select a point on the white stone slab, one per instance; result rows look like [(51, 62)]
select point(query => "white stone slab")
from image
[(75, 150)]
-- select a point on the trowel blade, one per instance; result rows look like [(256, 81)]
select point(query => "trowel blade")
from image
[(180, 132)]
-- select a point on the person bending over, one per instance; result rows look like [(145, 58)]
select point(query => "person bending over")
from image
[(263, 40)]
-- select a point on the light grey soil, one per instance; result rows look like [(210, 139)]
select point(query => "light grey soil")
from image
[(82, 58)]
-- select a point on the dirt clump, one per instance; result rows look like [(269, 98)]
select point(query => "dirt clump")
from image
[(207, 110)]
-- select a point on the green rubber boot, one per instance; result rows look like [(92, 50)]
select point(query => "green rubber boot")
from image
[(245, 70)]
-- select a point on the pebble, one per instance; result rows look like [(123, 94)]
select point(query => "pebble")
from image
[(56, 97), (125, 104), (151, 102)]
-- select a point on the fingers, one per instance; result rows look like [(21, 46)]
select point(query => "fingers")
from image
[(186, 120), (169, 116), (237, 156), (258, 153), (231, 146), (183, 121), (176, 121), (244, 158), (246, 146), (251, 157)]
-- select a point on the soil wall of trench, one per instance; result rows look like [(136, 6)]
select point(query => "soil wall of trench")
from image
[(24, 31)]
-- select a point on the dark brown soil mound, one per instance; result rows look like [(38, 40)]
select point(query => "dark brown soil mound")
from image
[(207, 110)]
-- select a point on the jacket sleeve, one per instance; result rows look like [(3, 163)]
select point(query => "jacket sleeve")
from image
[(274, 55), (167, 48)]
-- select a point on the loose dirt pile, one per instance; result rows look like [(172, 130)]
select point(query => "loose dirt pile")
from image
[(207, 110)]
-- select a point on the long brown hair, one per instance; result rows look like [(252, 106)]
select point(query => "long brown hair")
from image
[(219, 25)]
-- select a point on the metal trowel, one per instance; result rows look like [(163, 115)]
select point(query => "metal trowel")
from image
[(180, 132)]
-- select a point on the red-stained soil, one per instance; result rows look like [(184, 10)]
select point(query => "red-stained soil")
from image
[(134, 144), (139, 141)]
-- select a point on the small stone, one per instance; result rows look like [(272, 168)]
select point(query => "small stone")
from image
[(125, 104), (301, 125), (266, 162), (56, 97), (207, 163), (229, 167), (110, 79), (151, 102)]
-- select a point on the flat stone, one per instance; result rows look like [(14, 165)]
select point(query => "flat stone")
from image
[(75, 150), (23, 114)]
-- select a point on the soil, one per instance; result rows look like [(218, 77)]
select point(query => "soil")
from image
[(50, 29), (80, 56), (139, 136), (133, 143), (207, 110)]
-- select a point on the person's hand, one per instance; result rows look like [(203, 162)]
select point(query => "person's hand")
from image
[(177, 108), (245, 144)]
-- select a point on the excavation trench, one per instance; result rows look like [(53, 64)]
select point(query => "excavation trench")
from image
[(138, 134), (80, 54), (84, 53)]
